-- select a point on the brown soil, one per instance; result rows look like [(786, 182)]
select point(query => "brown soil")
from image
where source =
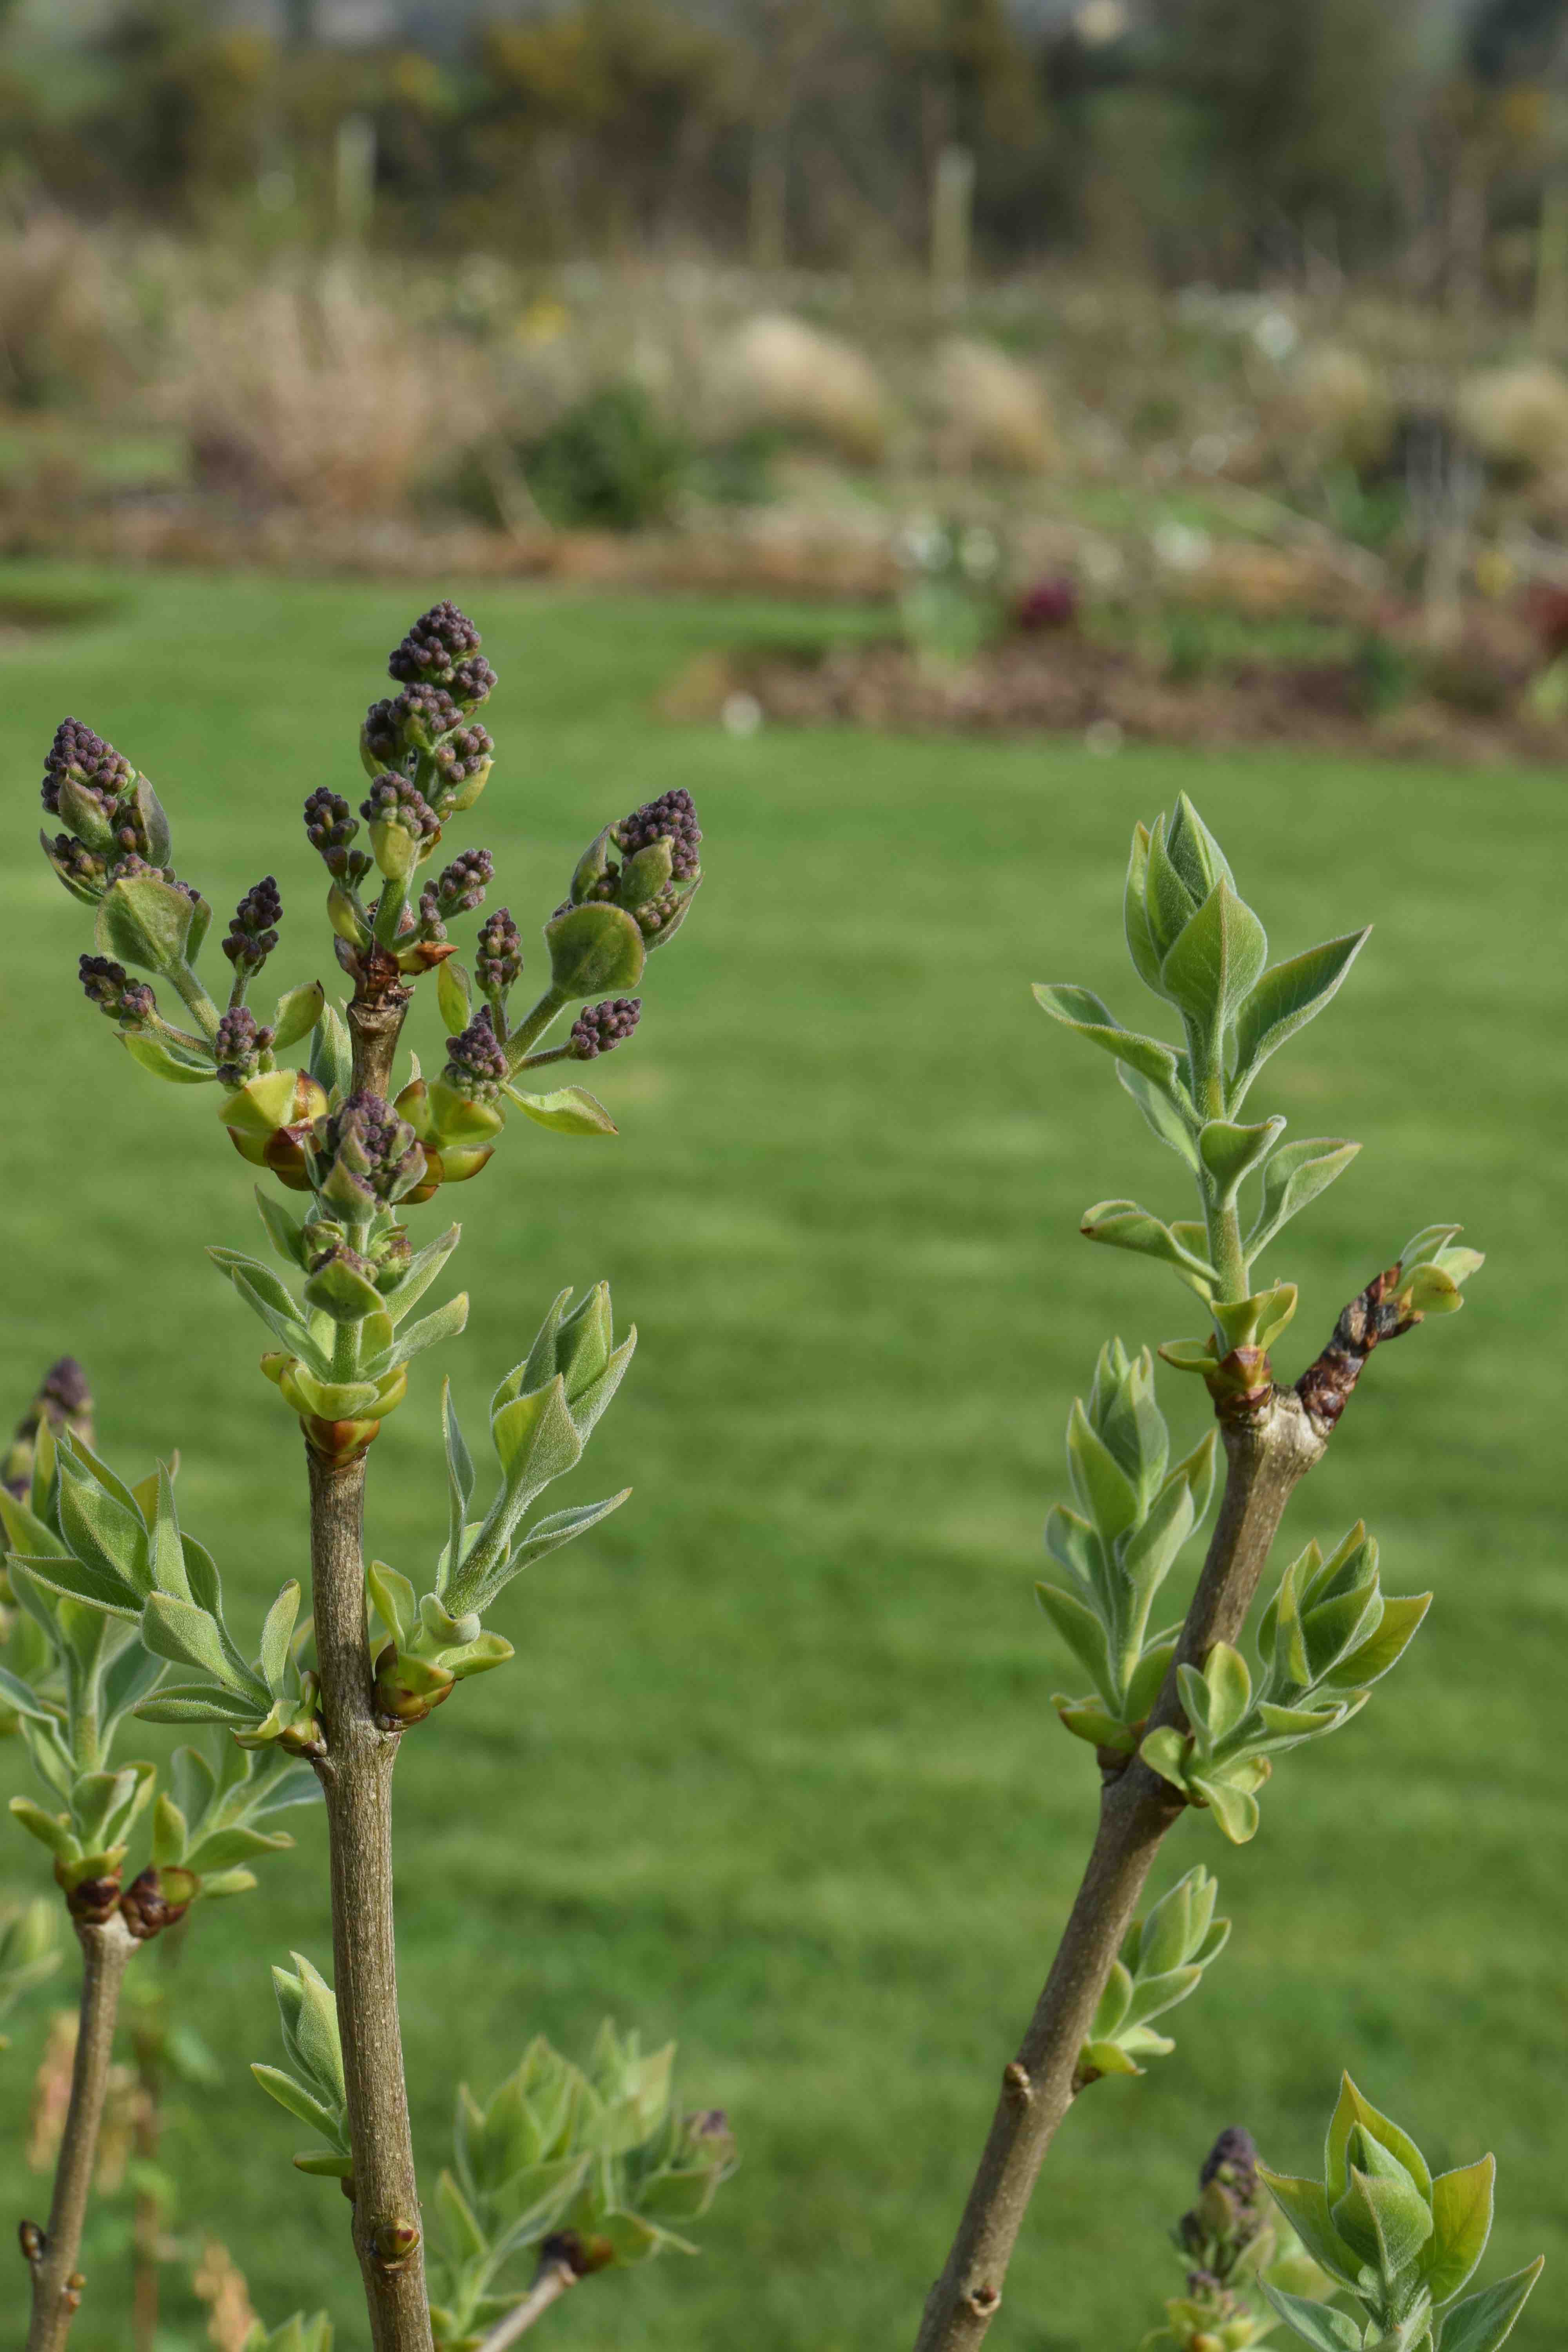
[(1068, 685)]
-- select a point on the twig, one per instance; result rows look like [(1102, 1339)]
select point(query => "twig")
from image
[(356, 1780), (556, 2276), (106, 1945), (1272, 1439)]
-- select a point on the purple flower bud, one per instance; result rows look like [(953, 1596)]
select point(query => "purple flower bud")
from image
[(439, 640), (252, 933), (362, 1153), (329, 827), (460, 887), (393, 800), (476, 1060), (463, 755), (239, 1045), (1236, 2149), (600, 1028), (76, 863), (473, 681), (498, 961), (91, 763), (420, 716), (673, 818), (109, 985)]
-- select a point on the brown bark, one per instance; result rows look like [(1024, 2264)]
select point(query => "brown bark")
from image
[(107, 1945), (1267, 1450), (356, 1780)]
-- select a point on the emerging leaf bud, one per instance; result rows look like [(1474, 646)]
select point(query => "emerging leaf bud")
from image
[(362, 1154), (108, 984), (477, 1063), (403, 824), (252, 931), (600, 1028)]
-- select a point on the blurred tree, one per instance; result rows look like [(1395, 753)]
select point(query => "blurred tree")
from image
[(1297, 96)]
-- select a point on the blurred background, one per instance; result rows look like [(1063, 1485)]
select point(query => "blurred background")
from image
[(934, 432)]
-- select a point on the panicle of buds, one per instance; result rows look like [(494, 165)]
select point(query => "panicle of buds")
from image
[(329, 827), (440, 650), (673, 818), (393, 800), (239, 1045), (81, 869), (464, 755), (458, 889), (476, 1060), (90, 764), (109, 985), (1232, 2213), (362, 1153), (600, 1028), (498, 961), (252, 931)]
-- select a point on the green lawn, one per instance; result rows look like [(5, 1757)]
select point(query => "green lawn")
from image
[(775, 1769)]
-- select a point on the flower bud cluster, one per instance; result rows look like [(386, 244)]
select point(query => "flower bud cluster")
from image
[(600, 1028), (458, 889), (329, 828), (476, 1060), (109, 985), (240, 1043), (85, 759), (498, 962), (442, 648), (673, 818), (362, 1153), (393, 800), (252, 931)]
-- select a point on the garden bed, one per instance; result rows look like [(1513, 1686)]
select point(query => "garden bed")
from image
[(1108, 693)]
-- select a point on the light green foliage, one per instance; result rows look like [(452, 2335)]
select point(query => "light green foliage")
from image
[(214, 1822), (1135, 1512), (1400, 2244), (1329, 1634), (345, 1356), (310, 2087), (1200, 948), (1161, 1960), (28, 1953), (296, 2334), (92, 1551), (600, 2156), (542, 1417), (99, 1550)]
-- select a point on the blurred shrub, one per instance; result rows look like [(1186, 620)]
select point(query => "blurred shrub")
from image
[(993, 414), (612, 462), (1518, 416), (778, 371), (1383, 674), (62, 339), (1344, 404), (951, 606), (320, 396)]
